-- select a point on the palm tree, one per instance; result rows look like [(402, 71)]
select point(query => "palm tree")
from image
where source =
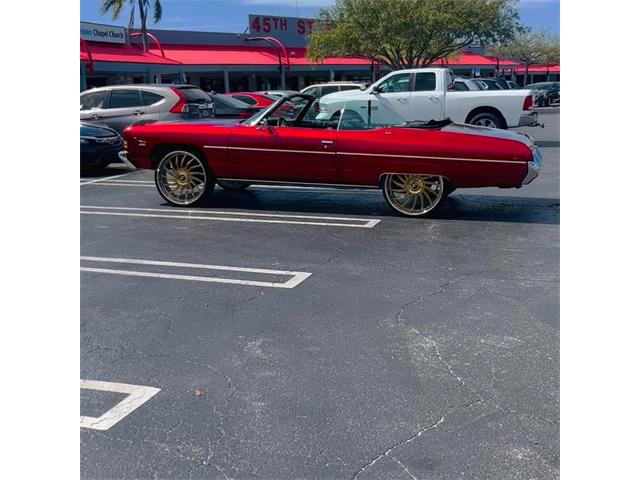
[(116, 7)]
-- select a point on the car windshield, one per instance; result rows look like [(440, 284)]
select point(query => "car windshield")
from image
[(290, 109), (367, 115)]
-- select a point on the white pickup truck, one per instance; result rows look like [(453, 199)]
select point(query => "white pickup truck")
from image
[(425, 94)]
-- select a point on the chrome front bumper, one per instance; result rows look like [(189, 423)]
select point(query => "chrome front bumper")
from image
[(533, 168), (122, 155), (529, 120)]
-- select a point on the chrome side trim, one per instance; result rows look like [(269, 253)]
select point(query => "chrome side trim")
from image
[(307, 184), (389, 155), (280, 150), (221, 147), (487, 160)]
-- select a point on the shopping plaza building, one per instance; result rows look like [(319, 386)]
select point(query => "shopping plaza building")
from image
[(273, 51)]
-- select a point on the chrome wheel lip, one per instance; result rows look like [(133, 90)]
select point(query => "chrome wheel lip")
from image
[(393, 184), (190, 169)]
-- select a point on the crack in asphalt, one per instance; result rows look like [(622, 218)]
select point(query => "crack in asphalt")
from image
[(441, 289), (387, 453), (402, 465)]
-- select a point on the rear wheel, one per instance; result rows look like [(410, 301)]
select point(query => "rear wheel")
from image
[(486, 119), (233, 186), (413, 195), (183, 178)]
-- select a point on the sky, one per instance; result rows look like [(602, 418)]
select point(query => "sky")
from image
[(232, 15)]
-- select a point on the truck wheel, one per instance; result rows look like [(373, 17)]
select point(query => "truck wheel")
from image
[(184, 179), (486, 119), (233, 186)]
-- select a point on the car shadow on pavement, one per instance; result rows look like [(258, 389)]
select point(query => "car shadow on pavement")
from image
[(459, 206)]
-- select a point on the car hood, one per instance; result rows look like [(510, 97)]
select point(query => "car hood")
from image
[(88, 130)]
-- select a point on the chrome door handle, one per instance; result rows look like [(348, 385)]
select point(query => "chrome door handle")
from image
[(94, 117), (138, 112), (326, 142)]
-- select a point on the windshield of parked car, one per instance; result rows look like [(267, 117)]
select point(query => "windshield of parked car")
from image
[(224, 100), (367, 115), (291, 110)]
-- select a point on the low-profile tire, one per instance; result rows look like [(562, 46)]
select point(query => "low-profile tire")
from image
[(183, 178), (487, 119), (233, 186), (413, 195)]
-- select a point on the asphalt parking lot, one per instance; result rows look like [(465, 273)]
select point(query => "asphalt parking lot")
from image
[(285, 333)]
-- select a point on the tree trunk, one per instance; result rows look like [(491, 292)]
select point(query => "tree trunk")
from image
[(132, 17), (547, 73), (143, 25), (526, 74)]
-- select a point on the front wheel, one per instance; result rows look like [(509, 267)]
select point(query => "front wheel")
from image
[(233, 186), (183, 178), (413, 195)]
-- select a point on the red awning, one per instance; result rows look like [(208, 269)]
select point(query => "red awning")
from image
[(475, 60), (539, 69), (179, 54), (103, 52), (240, 55)]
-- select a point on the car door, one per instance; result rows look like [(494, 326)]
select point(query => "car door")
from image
[(277, 153), (394, 93), (123, 108), (92, 104), (427, 97)]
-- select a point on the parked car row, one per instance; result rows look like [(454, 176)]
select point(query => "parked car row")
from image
[(546, 93), (413, 95)]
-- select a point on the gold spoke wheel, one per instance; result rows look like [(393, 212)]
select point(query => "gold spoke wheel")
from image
[(182, 178), (413, 195)]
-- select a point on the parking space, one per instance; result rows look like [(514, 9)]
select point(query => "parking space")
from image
[(285, 332)]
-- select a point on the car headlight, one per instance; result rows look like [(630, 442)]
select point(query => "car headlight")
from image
[(84, 140), (324, 107)]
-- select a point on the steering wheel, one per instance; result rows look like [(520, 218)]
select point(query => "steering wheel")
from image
[(282, 122)]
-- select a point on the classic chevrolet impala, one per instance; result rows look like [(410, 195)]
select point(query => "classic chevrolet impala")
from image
[(416, 164)]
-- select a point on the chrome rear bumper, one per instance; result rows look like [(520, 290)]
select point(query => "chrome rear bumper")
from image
[(529, 120), (533, 168)]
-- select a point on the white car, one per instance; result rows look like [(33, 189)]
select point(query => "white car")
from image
[(319, 90), (427, 94)]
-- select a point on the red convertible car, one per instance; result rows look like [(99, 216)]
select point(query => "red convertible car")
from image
[(416, 163)]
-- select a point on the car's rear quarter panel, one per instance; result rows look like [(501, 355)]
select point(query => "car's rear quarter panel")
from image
[(466, 160)]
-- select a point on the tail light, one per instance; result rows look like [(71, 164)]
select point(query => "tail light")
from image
[(181, 106), (528, 103)]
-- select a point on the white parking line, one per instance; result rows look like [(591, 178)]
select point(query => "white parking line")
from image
[(96, 180), (295, 280), (232, 216), (136, 396)]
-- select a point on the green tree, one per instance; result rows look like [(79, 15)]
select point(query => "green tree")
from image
[(115, 7), (529, 48), (410, 33)]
